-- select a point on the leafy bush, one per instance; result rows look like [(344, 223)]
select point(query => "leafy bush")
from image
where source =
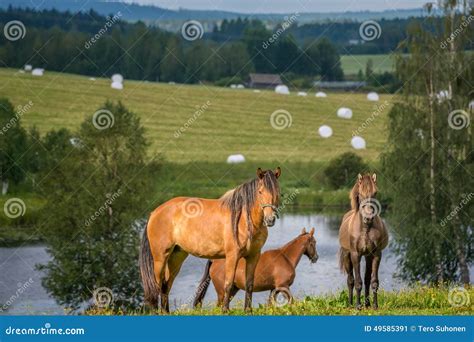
[(342, 171)]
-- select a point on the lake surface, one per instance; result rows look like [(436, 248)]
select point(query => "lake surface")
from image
[(17, 267)]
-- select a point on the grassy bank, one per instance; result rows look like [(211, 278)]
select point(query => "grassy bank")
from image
[(416, 301)]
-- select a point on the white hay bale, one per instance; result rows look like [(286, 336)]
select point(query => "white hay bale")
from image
[(282, 89), (233, 86), (321, 94), (37, 72), (325, 131), (91, 78), (302, 93), (117, 78), (240, 86), (443, 95), (373, 96), (235, 159), (28, 67), (471, 106), (75, 142), (256, 91), (172, 83), (358, 143), (116, 85), (345, 113), (21, 71)]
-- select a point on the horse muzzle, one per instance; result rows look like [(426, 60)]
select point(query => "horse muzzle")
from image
[(269, 221)]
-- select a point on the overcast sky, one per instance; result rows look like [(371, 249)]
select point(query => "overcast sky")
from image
[(286, 6)]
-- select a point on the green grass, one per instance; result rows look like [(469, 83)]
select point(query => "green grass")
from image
[(351, 64), (415, 301), (237, 121)]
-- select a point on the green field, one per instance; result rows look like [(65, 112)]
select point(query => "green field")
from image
[(415, 301), (351, 64), (236, 120)]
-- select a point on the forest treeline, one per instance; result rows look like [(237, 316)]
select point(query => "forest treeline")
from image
[(90, 44)]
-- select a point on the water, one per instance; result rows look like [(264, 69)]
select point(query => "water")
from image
[(17, 266)]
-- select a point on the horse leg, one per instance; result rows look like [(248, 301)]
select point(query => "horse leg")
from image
[(355, 258), (250, 265), (175, 261), (350, 278), (159, 265), (230, 267), (367, 276), (374, 282)]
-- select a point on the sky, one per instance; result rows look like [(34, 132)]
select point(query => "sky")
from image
[(286, 6)]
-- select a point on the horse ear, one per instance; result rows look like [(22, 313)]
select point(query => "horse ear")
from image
[(359, 177), (303, 231), (374, 178), (311, 232), (260, 173), (277, 172)]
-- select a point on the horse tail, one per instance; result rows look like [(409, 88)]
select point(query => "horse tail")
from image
[(147, 272), (344, 259), (203, 285)]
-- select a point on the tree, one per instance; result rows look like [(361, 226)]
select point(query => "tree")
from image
[(429, 162), (13, 145), (98, 194)]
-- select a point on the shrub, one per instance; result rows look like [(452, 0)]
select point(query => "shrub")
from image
[(342, 170)]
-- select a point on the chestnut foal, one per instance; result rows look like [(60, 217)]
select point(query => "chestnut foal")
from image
[(275, 270)]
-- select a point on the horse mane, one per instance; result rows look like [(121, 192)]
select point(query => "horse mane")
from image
[(354, 196), (241, 200), (366, 183)]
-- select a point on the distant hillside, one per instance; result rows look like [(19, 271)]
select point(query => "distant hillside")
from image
[(172, 19)]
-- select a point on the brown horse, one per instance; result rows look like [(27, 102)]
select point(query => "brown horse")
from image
[(231, 227), (275, 270), (362, 233)]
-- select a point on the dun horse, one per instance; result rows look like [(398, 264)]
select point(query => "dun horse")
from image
[(275, 270), (231, 227), (362, 233)]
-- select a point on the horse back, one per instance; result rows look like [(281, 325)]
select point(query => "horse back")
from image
[(189, 222)]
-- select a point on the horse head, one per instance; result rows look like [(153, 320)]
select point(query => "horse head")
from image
[(310, 246), (268, 194), (366, 194)]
